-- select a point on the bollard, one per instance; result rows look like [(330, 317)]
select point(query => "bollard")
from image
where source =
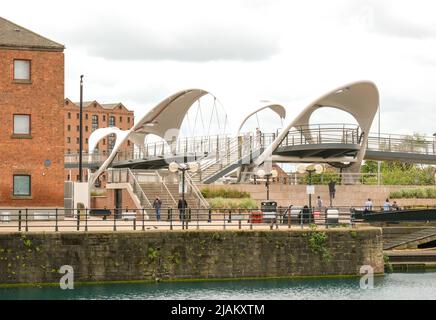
[(170, 216), (27, 220), (134, 224), (78, 220), (240, 224), (115, 222), (86, 220), (210, 216), (19, 220), (56, 227)]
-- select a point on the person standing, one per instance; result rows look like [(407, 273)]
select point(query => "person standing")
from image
[(182, 205), (332, 191), (387, 206), (368, 205), (319, 202), (157, 204)]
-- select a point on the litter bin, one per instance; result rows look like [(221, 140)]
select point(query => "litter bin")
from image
[(256, 217), (332, 217), (269, 210)]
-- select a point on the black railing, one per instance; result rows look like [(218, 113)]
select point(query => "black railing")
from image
[(84, 220)]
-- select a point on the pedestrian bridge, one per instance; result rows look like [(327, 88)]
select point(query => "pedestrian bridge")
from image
[(341, 145), (220, 155)]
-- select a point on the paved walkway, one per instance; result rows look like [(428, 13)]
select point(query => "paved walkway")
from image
[(119, 225)]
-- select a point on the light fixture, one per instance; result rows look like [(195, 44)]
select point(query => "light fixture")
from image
[(261, 173), (319, 169), (274, 173), (193, 167), (174, 167), (301, 169)]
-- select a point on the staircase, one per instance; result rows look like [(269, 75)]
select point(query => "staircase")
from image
[(237, 151), (408, 240)]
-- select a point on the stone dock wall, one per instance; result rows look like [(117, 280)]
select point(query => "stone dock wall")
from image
[(142, 256)]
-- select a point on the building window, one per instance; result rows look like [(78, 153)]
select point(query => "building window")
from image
[(69, 128), (21, 124), (94, 122), (104, 118), (77, 140), (68, 139), (77, 116), (69, 151), (128, 143), (21, 69), (69, 115), (104, 142), (128, 119), (121, 119), (86, 116), (77, 128), (86, 128), (111, 143), (22, 185), (111, 121), (86, 140)]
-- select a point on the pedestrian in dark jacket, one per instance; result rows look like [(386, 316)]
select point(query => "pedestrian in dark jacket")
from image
[(182, 205)]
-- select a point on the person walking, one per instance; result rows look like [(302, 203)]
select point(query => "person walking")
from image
[(157, 204), (332, 191), (182, 205)]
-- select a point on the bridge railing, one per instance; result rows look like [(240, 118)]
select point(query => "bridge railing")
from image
[(323, 134), (402, 143)]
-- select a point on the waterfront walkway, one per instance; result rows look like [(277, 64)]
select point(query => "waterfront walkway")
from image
[(71, 225)]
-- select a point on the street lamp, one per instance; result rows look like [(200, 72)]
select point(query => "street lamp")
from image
[(261, 174), (80, 129), (434, 143), (318, 169), (176, 167)]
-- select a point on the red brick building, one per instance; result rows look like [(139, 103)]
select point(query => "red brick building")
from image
[(95, 116), (31, 119)]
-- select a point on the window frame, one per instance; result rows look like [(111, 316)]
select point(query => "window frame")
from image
[(21, 135), (30, 72), (13, 185)]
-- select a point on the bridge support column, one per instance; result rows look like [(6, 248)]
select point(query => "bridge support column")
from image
[(351, 175)]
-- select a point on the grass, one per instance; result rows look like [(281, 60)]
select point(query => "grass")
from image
[(224, 193)]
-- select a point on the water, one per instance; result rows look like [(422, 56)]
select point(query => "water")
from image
[(401, 286)]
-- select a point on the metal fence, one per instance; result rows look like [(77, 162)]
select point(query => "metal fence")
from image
[(84, 220)]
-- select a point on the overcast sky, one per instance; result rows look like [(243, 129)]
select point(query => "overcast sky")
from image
[(139, 52)]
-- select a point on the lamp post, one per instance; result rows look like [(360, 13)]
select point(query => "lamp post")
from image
[(318, 169), (273, 174), (176, 167), (80, 129), (434, 143)]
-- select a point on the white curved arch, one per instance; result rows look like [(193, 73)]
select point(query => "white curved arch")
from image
[(277, 108), (360, 99), (167, 115), (94, 139)]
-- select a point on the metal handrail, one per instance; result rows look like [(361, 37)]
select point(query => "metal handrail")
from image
[(202, 201), (166, 187)]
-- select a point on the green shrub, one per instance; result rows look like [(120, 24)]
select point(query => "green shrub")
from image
[(224, 193), (221, 203), (428, 193)]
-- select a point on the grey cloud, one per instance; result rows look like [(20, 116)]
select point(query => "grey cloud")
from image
[(378, 17), (195, 45)]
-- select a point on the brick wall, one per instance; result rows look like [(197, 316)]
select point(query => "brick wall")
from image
[(356, 196), (154, 255), (43, 100)]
